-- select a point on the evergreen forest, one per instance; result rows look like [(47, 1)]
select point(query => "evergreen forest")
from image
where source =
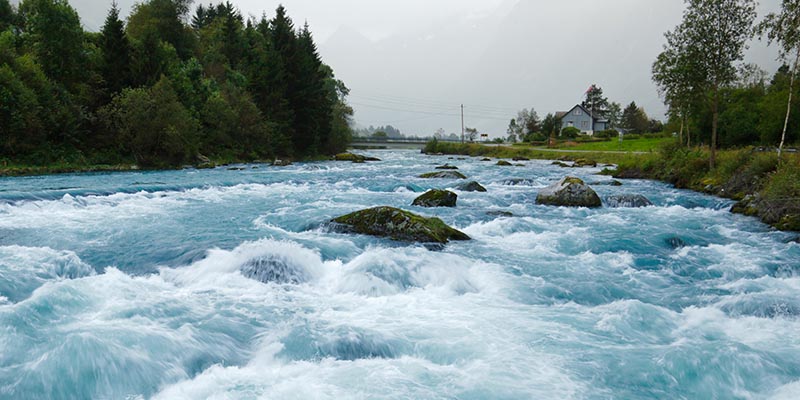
[(167, 86)]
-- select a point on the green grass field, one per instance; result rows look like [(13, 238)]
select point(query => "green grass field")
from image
[(641, 145)]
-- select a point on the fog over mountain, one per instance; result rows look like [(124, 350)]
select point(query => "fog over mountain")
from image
[(412, 63)]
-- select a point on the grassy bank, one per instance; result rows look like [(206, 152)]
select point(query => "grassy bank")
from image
[(644, 144), (25, 170), (765, 187), (479, 150)]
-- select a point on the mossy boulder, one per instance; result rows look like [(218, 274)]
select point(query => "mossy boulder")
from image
[(443, 175), (503, 163), (521, 159), (569, 192), (356, 158), (471, 186), (436, 198), (447, 166), (561, 164), (397, 224), (583, 162)]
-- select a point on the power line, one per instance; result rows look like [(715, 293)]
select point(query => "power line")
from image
[(477, 115), (431, 103)]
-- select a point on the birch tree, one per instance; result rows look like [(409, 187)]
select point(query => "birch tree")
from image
[(783, 28)]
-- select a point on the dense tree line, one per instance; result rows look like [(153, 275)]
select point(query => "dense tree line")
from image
[(163, 88), (714, 99)]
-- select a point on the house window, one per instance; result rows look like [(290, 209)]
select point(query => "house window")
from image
[(578, 112), (584, 124)]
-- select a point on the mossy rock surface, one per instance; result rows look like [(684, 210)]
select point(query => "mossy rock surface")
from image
[(436, 198), (503, 163), (583, 162), (397, 224), (471, 186), (443, 175), (569, 192), (447, 166), (356, 158)]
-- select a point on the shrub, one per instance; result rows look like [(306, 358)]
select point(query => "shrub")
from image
[(158, 131), (570, 132), (608, 133)]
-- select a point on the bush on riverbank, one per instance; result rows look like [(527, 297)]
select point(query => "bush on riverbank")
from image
[(768, 187)]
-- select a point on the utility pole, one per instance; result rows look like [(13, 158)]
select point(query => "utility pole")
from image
[(462, 124)]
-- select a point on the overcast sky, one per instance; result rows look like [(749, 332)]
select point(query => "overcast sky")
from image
[(411, 63)]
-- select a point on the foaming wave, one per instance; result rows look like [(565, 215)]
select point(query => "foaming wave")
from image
[(387, 271), (264, 260), (24, 269)]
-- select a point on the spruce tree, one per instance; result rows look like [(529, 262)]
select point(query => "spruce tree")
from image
[(116, 52), (311, 103)]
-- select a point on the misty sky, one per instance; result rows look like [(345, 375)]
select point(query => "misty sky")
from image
[(411, 63)]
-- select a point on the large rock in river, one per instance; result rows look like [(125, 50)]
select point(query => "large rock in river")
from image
[(569, 192), (436, 198), (471, 186), (628, 200), (397, 224), (444, 175)]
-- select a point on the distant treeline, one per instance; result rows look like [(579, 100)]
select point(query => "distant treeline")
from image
[(163, 88)]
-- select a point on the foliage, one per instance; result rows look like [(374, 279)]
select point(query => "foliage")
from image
[(707, 43), (570, 132), (595, 101), (784, 28), (116, 52), (159, 90), (634, 119), (153, 125)]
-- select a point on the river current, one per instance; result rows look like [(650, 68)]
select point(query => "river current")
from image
[(135, 286)]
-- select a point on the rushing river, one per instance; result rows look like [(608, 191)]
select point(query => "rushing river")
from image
[(131, 285)]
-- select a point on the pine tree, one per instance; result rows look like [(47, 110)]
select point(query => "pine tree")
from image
[(595, 101), (6, 15), (116, 52), (311, 103)]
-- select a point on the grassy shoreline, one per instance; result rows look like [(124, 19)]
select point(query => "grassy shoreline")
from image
[(763, 185)]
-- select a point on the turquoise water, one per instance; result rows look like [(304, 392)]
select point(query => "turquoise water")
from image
[(131, 285)]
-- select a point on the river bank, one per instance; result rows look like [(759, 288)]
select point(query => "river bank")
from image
[(763, 186)]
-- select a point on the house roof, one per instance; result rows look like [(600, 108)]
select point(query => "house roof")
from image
[(597, 117)]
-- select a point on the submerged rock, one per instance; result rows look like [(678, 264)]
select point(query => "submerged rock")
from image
[(517, 182), (561, 164), (436, 198), (471, 186), (675, 242), (628, 200), (503, 163), (520, 159), (397, 224), (499, 213), (447, 166), (444, 175), (569, 192), (486, 159), (273, 269)]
